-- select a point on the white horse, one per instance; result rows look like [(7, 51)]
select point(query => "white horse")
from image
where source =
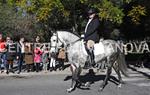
[(106, 51)]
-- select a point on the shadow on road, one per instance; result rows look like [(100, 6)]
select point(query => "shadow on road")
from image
[(91, 77), (136, 70)]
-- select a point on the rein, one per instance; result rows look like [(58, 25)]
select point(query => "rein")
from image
[(74, 42)]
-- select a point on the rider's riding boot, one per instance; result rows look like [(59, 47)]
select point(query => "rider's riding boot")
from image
[(92, 63), (90, 59), (86, 65)]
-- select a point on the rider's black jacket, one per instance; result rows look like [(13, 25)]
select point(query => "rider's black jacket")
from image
[(93, 31)]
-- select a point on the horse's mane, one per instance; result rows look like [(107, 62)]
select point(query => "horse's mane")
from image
[(75, 33)]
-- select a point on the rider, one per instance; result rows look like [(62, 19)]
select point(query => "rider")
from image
[(92, 34)]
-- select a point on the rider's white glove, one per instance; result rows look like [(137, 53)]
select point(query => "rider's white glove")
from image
[(101, 39)]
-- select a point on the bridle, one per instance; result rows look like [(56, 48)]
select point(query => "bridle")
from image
[(68, 44)]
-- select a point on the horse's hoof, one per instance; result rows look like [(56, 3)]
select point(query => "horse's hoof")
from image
[(122, 82), (87, 84), (69, 90), (119, 86), (100, 89)]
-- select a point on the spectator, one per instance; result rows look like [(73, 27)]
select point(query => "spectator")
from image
[(45, 60), (2, 53), (61, 57), (10, 54), (20, 54), (53, 61), (29, 57), (37, 57)]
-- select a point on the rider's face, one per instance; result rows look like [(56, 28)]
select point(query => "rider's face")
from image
[(92, 15), (22, 39), (8, 39), (37, 39)]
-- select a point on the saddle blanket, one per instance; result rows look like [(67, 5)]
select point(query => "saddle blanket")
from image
[(99, 48)]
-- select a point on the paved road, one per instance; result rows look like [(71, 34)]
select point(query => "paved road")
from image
[(54, 84)]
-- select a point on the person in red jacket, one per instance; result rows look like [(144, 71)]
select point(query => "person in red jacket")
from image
[(2, 44), (2, 53)]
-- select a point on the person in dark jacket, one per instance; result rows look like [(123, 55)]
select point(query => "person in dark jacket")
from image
[(10, 54), (20, 54), (92, 33)]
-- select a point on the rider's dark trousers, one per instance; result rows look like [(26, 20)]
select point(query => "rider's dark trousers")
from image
[(90, 54)]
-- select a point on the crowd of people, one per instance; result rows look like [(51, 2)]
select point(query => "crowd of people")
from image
[(16, 56)]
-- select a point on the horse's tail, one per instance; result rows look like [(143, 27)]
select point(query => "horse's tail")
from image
[(122, 66)]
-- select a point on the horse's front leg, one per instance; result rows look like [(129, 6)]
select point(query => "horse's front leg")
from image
[(75, 77), (119, 76), (120, 80)]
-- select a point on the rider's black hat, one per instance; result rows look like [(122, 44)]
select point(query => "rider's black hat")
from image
[(92, 11)]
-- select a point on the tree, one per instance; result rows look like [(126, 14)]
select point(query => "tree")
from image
[(66, 14), (136, 19), (14, 25)]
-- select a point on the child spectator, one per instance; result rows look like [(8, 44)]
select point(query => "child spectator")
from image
[(37, 58), (45, 61)]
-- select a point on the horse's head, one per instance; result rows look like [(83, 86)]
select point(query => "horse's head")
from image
[(64, 38)]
